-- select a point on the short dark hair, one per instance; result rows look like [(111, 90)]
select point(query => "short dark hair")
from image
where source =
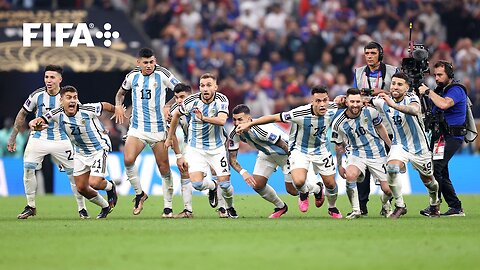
[(373, 45), (68, 88), (241, 108), (352, 91), (181, 87), (55, 68), (145, 53), (401, 75), (208, 75), (319, 89)]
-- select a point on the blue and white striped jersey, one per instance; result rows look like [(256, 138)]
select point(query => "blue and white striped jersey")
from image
[(148, 98), (308, 131), (41, 102), (359, 133), (84, 129), (182, 121), (203, 135), (262, 137), (408, 130)]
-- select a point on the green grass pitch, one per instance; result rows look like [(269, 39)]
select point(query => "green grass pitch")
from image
[(57, 239)]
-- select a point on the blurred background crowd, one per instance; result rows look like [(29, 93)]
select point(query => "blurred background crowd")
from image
[(267, 54)]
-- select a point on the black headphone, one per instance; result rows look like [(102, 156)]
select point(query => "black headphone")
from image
[(448, 69), (378, 46)]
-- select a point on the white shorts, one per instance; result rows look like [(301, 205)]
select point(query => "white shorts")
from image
[(201, 160), (95, 163), (323, 164), (422, 163), (266, 165), (377, 167), (150, 138), (36, 149)]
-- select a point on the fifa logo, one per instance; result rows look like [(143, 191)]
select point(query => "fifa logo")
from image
[(79, 34)]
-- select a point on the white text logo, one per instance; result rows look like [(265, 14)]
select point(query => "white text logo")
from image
[(79, 34)]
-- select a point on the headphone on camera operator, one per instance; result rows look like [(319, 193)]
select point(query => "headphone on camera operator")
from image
[(439, 125)]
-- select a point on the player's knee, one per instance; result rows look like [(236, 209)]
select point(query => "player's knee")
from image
[(351, 177), (393, 169), (197, 185), (225, 184), (129, 160), (82, 188), (164, 170)]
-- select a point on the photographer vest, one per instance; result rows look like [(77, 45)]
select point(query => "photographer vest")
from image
[(469, 125), (364, 79)]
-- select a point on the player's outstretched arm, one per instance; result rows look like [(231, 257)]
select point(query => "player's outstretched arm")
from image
[(237, 167), (339, 151), (119, 108), (172, 129), (38, 124), (181, 162), (382, 132), (19, 122), (218, 120), (259, 121), (109, 107)]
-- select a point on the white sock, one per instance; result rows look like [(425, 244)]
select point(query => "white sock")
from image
[(208, 184), (432, 187), (99, 200), (30, 183), (269, 194), (352, 194), (227, 194), (302, 189), (187, 193), (385, 198), (109, 186), (78, 197), (313, 187), (167, 187), (133, 178), (331, 195), (396, 187), (221, 200)]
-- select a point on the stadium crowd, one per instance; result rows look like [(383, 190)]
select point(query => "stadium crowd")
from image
[(268, 54)]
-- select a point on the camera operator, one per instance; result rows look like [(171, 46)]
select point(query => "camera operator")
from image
[(449, 108), (373, 78)]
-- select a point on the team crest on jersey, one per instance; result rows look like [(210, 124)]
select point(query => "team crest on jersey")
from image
[(155, 85), (83, 122)]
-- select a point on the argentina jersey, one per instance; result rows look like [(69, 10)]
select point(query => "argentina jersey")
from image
[(148, 98), (41, 102), (262, 137), (408, 130), (182, 121), (308, 131), (203, 135), (359, 134), (84, 129)]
